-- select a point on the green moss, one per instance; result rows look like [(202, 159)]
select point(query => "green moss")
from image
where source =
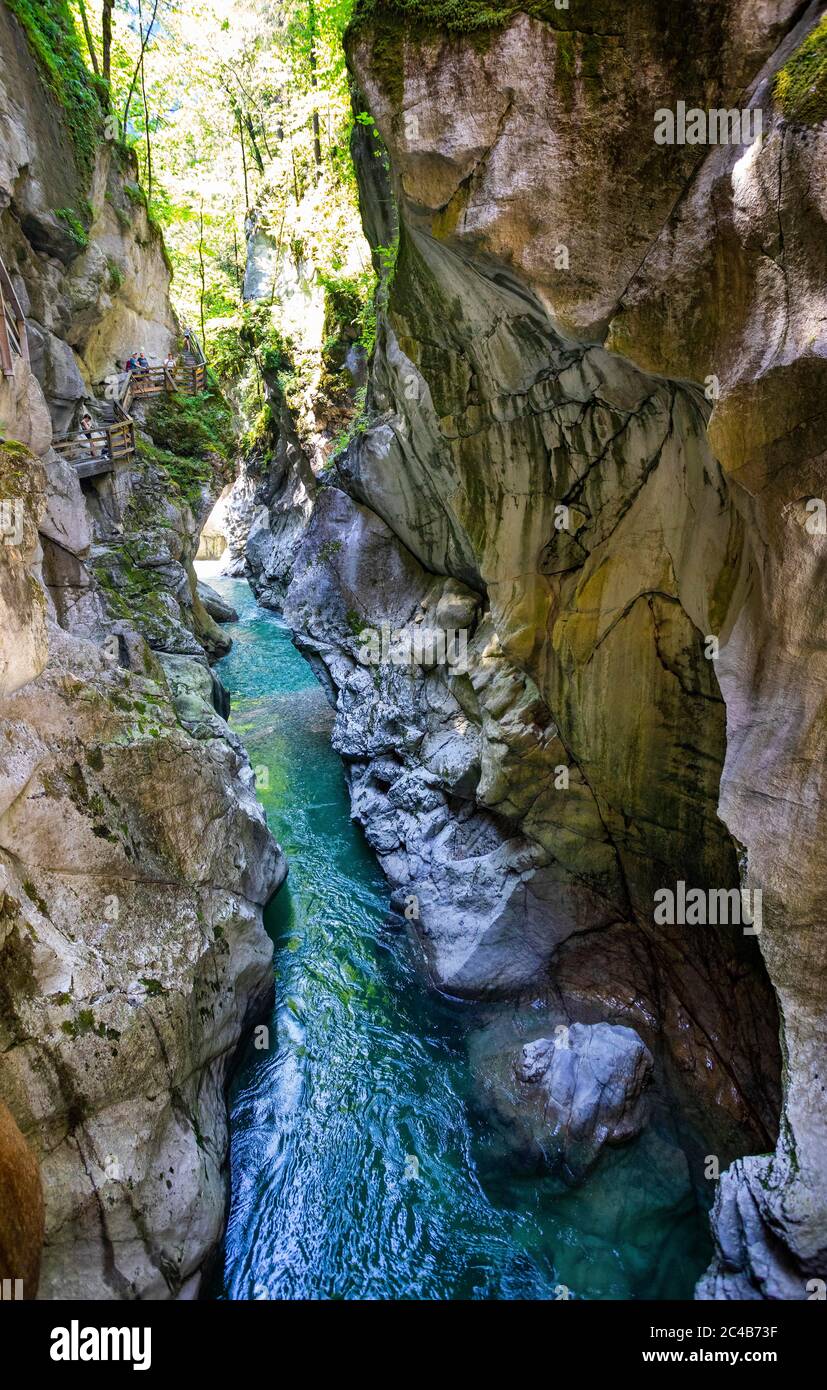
[(355, 622), (75, 227), (457, 16), (85, 1023), (193, 442), (463, 16), (191, 426), (186, 477), (115, 274), (263, 428), (349, 315), (135, 193), (18, 474), (33, 895), (327, 550), (800, 88), (153, 987), (135, 594), (52, 38)]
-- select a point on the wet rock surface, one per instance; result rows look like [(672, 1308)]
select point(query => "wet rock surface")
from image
[(609, 517), (561, 1098)]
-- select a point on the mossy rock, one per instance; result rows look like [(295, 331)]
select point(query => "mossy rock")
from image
[(192, 426), (457, 16), (52, 37), (800, 87)]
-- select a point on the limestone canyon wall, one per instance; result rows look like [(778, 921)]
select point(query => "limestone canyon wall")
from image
[(135, 859), (596, 442)]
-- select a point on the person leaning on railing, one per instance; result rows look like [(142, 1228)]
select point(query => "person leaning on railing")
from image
[(95, 439), (85, 433), (138, 364)]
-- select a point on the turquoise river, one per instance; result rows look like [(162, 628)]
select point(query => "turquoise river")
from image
[(360, 1168)]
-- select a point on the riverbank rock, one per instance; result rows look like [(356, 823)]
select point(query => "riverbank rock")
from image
[(133, 957), (217, 607), (562, 1098)]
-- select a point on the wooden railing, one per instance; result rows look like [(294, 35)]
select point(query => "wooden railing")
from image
[(191, 378), (97, 450), (150, 381), (13, 341)]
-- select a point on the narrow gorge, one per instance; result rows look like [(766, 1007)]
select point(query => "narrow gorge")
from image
[(466, 554)]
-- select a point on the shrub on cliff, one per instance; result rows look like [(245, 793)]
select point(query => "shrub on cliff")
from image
[(192, 426)]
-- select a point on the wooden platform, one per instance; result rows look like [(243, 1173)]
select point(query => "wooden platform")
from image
[(92, 468)]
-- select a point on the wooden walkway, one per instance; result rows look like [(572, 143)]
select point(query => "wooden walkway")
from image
[(96, 451)]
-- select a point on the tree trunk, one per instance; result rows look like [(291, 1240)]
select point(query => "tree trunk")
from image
[(88, 32), (202, 277), (144, 41), (106, 25), (146, 112), (148, 144), (252, 134), (317, 143), (243, 159)]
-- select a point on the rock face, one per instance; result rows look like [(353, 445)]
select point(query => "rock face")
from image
[(544, 466), (23, 634), (264, 515), (134, 865), (284, 504), (91, 277), (133, 954), (218, 608), (135, 860)]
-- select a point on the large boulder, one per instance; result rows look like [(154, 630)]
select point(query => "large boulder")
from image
[(218, 608), (562, 1098)]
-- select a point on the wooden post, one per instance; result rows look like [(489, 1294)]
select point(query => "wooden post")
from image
[(5, 345)]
